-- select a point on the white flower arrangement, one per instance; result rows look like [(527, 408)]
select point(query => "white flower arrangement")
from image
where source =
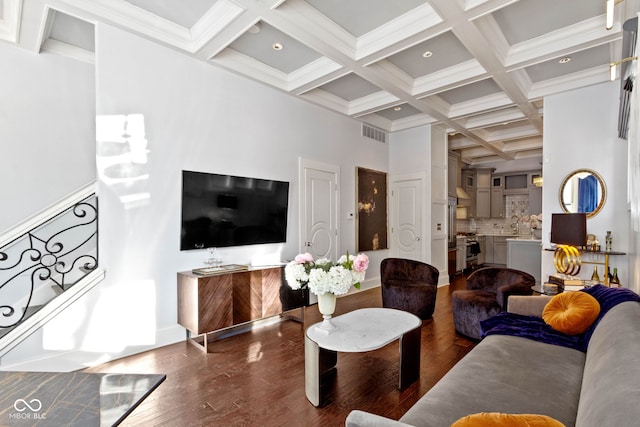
[(535, 221), (324, 276)]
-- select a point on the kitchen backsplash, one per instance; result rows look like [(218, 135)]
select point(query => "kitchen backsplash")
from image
[(515, 221)]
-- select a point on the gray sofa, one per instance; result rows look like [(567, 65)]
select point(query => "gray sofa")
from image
[(518, 375)]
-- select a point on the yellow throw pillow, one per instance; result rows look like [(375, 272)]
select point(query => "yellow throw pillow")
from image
[(497, 419), (571, 312)]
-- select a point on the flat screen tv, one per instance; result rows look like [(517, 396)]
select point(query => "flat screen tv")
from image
[(224, 210), (569, 229)]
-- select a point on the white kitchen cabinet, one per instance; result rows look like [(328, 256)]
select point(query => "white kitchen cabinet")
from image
[(482, 241), (500, 250), (497, 202), (488, 255)]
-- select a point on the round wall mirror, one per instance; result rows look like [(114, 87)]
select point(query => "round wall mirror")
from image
[(583, 190)]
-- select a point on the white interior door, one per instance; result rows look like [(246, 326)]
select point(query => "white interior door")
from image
[(319, 210), (406, 221)]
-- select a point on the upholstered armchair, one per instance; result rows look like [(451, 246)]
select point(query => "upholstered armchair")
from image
[(409, 285), (487, 294)]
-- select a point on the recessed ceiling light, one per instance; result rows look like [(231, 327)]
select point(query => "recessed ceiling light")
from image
[(398, 108), (427, 54), (565, 60), (277, 46)]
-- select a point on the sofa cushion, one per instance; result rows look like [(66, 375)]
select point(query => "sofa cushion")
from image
[(505, 374), (571, 312), (497, 419), (611, 381)]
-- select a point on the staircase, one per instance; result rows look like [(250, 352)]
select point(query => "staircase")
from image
[(47, 263)]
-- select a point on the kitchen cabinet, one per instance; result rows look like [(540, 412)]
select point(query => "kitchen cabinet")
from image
[(497, 197), (495, 249), (500, 250), (535, 200), (478, 186), (483, 203), (469, 185), (488, 253), (482, 241), (497, 203)]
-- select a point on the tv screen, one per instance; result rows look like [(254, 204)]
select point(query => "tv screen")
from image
[(225, 210), (569, 229)]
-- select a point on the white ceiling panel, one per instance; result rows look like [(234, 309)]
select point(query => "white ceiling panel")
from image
[(489, 66)]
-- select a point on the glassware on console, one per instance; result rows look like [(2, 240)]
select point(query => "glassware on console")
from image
[(214, 259)]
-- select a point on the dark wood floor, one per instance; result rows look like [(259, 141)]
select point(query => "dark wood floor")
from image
[(257, 378)]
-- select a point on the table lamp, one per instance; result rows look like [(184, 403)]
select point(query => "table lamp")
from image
[(569, 233)]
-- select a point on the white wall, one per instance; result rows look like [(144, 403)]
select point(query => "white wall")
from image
[(580, 131), (47, 128), (195, 117)]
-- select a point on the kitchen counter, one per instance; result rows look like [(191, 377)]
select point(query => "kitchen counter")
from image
[(525, 254), (525, 239), (510, 236)]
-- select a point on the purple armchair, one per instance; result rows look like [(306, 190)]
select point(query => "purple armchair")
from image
[(487, 294), (409, 285)]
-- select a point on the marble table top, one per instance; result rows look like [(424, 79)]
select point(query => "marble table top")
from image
[(71, 398), (365, 329)]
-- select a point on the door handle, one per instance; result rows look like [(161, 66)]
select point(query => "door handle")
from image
[(417, 239), (308, 244)]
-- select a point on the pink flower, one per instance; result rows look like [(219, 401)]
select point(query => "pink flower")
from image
[(302, 258), (361, 263)]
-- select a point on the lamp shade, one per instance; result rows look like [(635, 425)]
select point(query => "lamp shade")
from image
[(569, 229)]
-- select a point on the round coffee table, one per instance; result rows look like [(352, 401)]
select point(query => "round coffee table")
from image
[(361, 330)]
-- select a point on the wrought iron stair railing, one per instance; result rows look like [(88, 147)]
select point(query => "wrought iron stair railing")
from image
[(47, 263)]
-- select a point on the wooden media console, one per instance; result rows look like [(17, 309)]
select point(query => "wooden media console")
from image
[(222, 301)]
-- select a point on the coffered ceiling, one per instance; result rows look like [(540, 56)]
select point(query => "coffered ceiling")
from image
[(480, 67)]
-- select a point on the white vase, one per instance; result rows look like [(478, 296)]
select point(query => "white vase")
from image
[(326, 306)]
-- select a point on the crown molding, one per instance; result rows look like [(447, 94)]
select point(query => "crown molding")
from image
[(249, 67), (419, 19), (485, 103), (222, 14), (560, 42), (449, 78)]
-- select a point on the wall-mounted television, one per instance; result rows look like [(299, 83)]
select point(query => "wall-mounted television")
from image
[(225, 210)]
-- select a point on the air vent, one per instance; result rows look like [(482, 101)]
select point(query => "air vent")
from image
[(374, 133)]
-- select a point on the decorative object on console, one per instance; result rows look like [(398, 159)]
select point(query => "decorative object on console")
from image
[(214, 259), (615, 280), (569, 231), (608, 241), (324, 277)]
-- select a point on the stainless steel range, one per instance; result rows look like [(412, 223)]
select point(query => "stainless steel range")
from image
[(472, 250)]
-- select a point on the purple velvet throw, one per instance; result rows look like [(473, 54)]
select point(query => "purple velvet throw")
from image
[(535, 328)]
